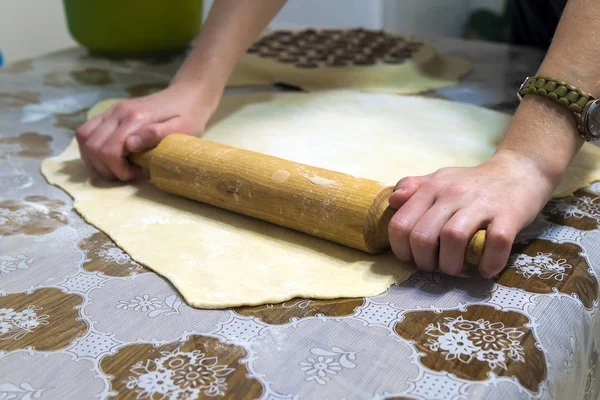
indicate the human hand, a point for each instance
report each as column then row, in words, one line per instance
column 439, row 213
column 135, row 125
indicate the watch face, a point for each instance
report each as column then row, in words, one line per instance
column 592, row 120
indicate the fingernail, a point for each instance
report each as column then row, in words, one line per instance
column 135, row 143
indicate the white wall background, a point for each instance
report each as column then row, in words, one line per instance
column 32, row 27
column 29, row 28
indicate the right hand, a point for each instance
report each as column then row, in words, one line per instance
column 135, row 125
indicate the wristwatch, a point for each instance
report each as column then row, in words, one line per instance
column 584, row 107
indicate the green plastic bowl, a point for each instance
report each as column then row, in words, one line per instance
column 133, row 27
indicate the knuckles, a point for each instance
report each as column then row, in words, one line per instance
column 82, row 134
column 123, row 109
column 450, row 269
column 130, row 112
column 107, row 153
column 92, row 148
column 500, row 239
column 398, row 228
column 457, row 190
column 422, row 239
column 454, row 235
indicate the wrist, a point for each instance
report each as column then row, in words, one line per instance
column 529, row 169
column 543, row 134
column 196, row 94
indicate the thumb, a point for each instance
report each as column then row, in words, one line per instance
column 150, row 136
column 405, row 188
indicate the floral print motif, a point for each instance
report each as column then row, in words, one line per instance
column 72, row 120
column 297, row 308
column 327, row 363
column 92, row 77
column 10, row 264
column 34, row 215
column 576, row 207
column 191, row 368
column 103, row 255
column 16, row 216
column 581, row 211
column 15, row 325
column 24, row 391
column 111, row 253
column 541, row 266
column 179, row 375
column 141, row 303
column 26, row 144
column 152, row 305
column 18, row 99
column 465, row 340
column 590, row 384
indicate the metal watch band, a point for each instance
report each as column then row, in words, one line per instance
column 560, row 92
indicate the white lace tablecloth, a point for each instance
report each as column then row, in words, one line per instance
column 80, row 320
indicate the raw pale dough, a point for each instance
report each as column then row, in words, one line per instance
column 218, row 259
column 424, row 70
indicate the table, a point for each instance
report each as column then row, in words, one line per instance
column 80, row 319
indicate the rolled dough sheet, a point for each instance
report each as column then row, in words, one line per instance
column 218, row 259
column 421, row 70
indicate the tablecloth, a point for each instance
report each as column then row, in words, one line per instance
column 80, row 319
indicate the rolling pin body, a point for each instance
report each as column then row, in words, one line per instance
column 334, row 206
column 331, row 205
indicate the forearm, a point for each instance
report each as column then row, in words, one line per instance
column 542, row 131
column 230, row 28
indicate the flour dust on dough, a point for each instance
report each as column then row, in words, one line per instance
column 218, row 259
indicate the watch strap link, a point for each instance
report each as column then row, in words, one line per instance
column 558, row 91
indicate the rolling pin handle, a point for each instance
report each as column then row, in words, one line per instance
column 141, row 159
column 474, row 252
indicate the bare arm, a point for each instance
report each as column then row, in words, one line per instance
column 542, row 131
column 231, row 27
column 186, row 105
column 438, row 213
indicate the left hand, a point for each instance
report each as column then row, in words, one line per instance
column 439, row 213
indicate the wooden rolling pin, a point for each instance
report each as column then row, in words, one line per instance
column 331, row 205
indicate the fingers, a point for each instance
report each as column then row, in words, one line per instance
column 102, row 140
column 113, row 152
column 150, row 136
column 93, row 147
column 455, row 236
column 500, row 236
column 405, row 188
column 425, row 237
column 404, row 220
column 83, row 133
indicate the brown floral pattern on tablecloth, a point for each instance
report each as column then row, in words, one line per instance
column 78, row 302
column 18, row 67
column 198, row 368
column 103, row 255
column 591, row 389
column 283, row 313
column 18, row 99
column 26, row 144
column 580, row 211
column 58, row 79
column 46, row 320
column 86, row 76
column 475, row 343
column 92, row 77
column 34, row 215
column 72, row 120
column 540, row 266
column 401, row 398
